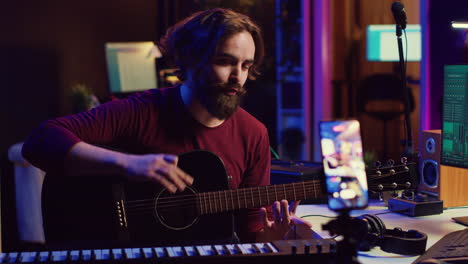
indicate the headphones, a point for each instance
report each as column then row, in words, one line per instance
column 395, row 240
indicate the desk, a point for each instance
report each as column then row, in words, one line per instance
column 435, row 226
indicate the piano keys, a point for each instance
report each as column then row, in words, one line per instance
column 300, row 251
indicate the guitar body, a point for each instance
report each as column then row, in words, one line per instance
column 106, row 211
column 84, row 212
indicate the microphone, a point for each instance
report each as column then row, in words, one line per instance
column 399, row 13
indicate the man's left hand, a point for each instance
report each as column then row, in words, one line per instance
column 285, row 224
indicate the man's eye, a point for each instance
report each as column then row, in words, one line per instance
column 222, row 61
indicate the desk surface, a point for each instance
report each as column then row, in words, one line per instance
column 435, row 226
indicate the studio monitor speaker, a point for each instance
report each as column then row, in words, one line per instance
column 430, row 162
column 442, row 181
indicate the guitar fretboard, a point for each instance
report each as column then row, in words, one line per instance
column 227, row 200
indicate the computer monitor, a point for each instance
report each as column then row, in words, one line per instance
column 455, row 116
column 131, row 66
column 382, row 43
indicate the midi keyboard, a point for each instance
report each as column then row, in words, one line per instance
column 299, row 251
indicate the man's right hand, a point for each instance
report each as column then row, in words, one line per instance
column 87, row 159
column 161, row 168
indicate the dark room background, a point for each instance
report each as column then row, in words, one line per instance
column 50, row 45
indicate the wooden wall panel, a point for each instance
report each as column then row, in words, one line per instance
column 350, row 66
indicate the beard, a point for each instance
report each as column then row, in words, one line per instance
column 214, row 98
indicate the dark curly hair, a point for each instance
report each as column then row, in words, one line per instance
column 193, row 41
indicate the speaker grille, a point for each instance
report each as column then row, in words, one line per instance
column 430, row 173
column 430, row 162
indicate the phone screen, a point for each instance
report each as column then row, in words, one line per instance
column 343, row 164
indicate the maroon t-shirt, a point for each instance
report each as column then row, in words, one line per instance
column 156, row 121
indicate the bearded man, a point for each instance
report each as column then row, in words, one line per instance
column 141, row 137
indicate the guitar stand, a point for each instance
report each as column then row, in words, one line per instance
column 351, row 229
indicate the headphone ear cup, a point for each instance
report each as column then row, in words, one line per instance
column 378, row 224
column 375, row 230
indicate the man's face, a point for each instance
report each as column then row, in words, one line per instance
column 224, row 77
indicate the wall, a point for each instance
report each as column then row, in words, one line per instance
column 350, row 67
column 446, row 47
column 47, row 46
column 52, row 45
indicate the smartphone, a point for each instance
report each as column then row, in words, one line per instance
column 343, row 164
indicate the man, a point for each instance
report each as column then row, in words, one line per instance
column 216, row 51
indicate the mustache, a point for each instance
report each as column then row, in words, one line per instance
column 230, row 86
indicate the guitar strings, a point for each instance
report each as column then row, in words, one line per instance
column 377, row 177
column 214, row 206
column 372, row 178
column 215, row 195
column 390, row 167
column 387, row 186
column 213, row 200
column 253, row 190
column 315, row 182
column 142, row 205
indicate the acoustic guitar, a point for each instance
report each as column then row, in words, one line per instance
column 85, row 212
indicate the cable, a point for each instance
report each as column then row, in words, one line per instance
column 406, row 50
column 405, row 90
column 387, row 212
column 326, row 216
column 456, row 207
column 274, row 153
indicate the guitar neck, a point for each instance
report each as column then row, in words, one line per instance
column 228, row 200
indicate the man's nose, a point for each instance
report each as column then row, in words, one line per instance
column 235, row 73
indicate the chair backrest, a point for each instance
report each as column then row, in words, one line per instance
column 382, row 95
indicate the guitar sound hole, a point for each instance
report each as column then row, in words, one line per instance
column 176, row 211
